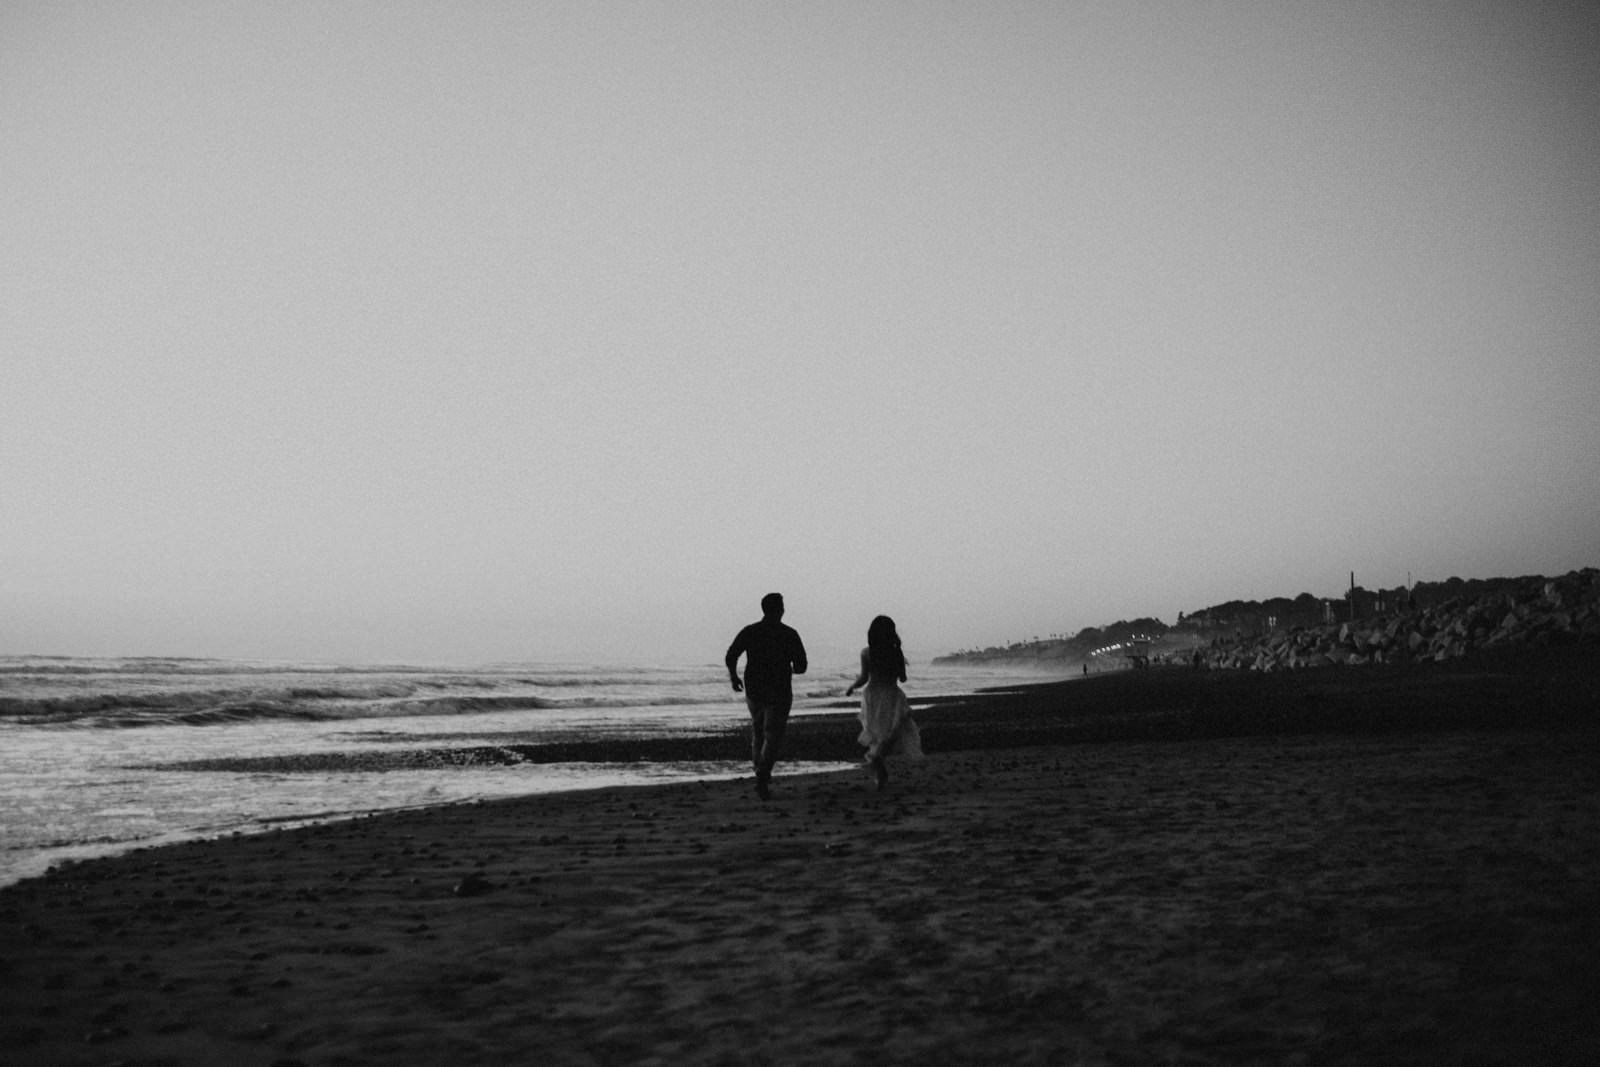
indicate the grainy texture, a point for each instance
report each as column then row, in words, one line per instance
column 1423, row 887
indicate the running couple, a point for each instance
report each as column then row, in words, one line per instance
column 774, row 654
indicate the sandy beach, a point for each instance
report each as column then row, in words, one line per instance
column 1342, row 866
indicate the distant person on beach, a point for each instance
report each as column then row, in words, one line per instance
column 773, row 654
column 887, row 728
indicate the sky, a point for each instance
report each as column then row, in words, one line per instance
column 475, row 332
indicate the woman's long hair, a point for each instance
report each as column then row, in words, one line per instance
column 883, row 650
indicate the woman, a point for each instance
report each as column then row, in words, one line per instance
column 887, row 728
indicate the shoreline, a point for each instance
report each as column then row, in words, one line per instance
column 1509, row 688
column 96, row 798
column 1238, row 882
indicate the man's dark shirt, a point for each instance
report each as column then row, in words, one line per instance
column 774, row 650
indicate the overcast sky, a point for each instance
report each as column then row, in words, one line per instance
column 537, row 331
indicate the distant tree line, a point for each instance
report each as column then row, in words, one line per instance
column 1076, row 647
column 1245, row 618
column 1282, row 613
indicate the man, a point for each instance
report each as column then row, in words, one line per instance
column 773, row 653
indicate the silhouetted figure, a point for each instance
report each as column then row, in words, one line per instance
column 887, row 728
column 773, row 654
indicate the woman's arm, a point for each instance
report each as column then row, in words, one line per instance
column 861, row 679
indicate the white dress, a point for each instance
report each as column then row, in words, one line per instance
column 887, row 728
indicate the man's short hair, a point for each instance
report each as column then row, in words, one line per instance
column 771, row 603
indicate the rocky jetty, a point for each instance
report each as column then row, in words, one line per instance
column 1533, row 611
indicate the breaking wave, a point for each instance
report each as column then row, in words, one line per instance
column 41, row 691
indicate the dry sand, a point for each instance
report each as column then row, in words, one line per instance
column 1425, row 892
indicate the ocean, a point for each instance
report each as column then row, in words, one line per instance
column 86, row 745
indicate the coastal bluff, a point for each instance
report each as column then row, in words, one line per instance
column 1393, row 627
column 1528, row 612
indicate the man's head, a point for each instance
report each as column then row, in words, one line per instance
column 772, row 606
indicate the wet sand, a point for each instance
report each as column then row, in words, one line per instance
column 1345, row 867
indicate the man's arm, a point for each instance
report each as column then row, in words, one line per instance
column 735, row 650
column 798, row 657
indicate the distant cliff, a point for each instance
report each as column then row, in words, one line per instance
column 1061, row 653
column 1431, row 620
column 1499, row 613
